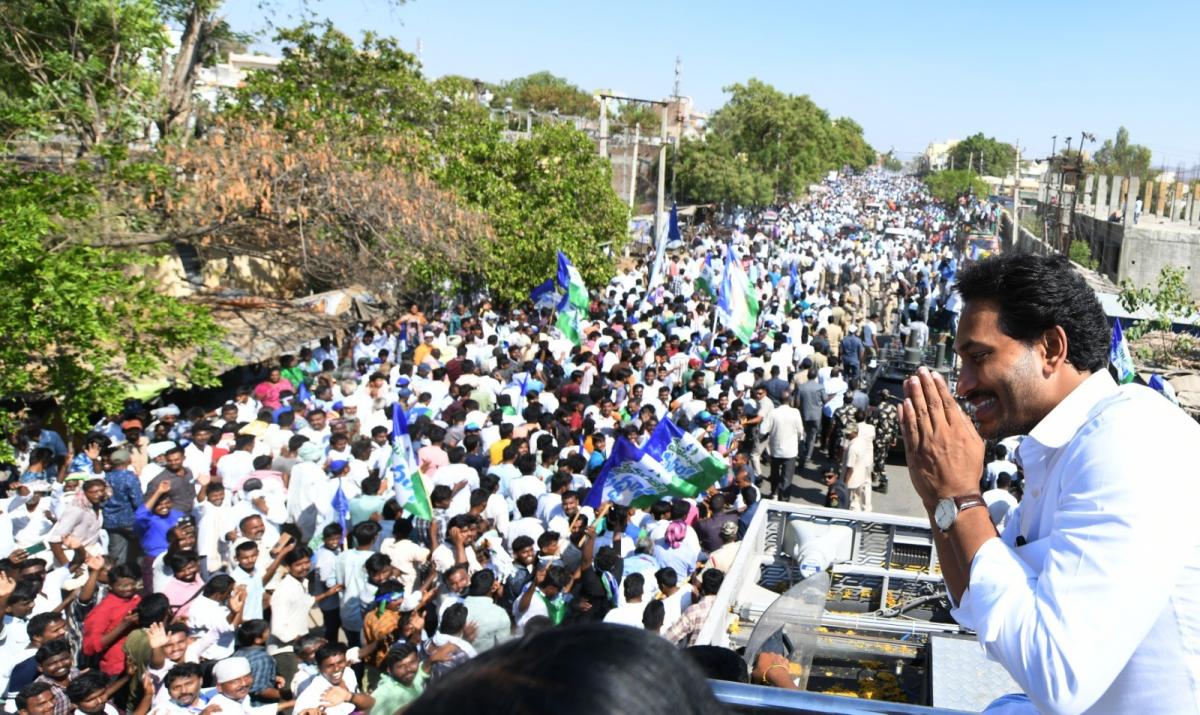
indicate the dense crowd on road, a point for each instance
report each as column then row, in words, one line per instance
column 253, row 556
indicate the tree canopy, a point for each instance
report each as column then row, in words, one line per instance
column 77, row 67
column 76, row 316
column 767, row 145
column 544, row 92
column 1118, row 156
column 984, row 155
column 946, row 186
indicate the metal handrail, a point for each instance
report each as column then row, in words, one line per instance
column 745, row 698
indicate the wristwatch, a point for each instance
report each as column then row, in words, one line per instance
column 946, row 512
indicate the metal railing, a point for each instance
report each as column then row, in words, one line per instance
column 744, row 698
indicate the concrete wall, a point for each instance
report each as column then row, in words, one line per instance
column 1026, row 241
column 1145, row 250
column 1106, row 239
column 221, row 271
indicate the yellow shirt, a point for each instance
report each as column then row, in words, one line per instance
column 496, row 451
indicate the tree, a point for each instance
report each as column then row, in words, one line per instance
column 708, row 171
column 549, row 193
column 630, row 114
column 891, row 162
column 203, row 37
column 79, row 325
column 946, row 186
column 372, row 88
column 544, row 92
column 76, row 67
column 1121, row 158
column 343, row 208
column 786, row 138
column 984, row 155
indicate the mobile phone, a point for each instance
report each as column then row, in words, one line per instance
column 37, row 548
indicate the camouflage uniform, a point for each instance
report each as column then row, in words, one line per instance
column 842, row 417
column 886, row 420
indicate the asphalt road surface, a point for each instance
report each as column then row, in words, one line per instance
column 901, row 498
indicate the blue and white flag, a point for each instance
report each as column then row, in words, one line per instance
column 304, row 395
column 546, row 295
column 685, row 458
column 406, row 481
column 341, row 506
column 1118, row 355
column 707, row 281
column 630, row 477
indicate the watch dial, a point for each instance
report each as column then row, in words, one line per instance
column 945, row 513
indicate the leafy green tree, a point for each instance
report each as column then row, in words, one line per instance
column 851, row 148
column 630, row 114
column 372, row 87
column 552, row 192
column 709, row 171
column 892, row 163
column 984, row 155
column 1122, row 158
column 79, row 325
column 786, row 138
column 946, row 186
column 77, row 67
column 544, row 92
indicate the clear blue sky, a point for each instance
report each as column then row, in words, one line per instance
column 909, row 72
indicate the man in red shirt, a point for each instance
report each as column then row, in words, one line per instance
column 107, row 624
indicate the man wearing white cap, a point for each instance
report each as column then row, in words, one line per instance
column 233, row 690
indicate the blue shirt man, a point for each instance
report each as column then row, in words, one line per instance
column 126, row 497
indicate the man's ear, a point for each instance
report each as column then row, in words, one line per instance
column 1054, row 347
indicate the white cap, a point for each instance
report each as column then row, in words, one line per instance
column 231, row 669
column 158, row 449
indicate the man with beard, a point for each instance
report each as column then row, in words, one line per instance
column 183, row 693
column 405, row 676
column 179, row 477
column 1053, row 600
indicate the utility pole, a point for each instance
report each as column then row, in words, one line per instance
column 1016, row 212
column 604, row 127
column 633, row 166
column 660, row 207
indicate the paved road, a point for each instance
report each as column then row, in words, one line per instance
column 901, row 498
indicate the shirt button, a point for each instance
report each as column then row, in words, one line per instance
column 1037, row 492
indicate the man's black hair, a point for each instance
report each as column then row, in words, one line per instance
column 1037, row 293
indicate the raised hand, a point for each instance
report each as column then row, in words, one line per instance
column 156, row 635
column 7, row 584
column 943, row 450
column 95, row 562
column 335, row 696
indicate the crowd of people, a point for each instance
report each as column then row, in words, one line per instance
column 252, row 556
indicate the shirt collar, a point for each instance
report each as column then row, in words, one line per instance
column 1058, row 427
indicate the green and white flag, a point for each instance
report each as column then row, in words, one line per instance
column 631, row 477
column 685, row 458
column 402, row 463
column 574, row 303
column 736, row 302
column 707, row 281
column 571, row 283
